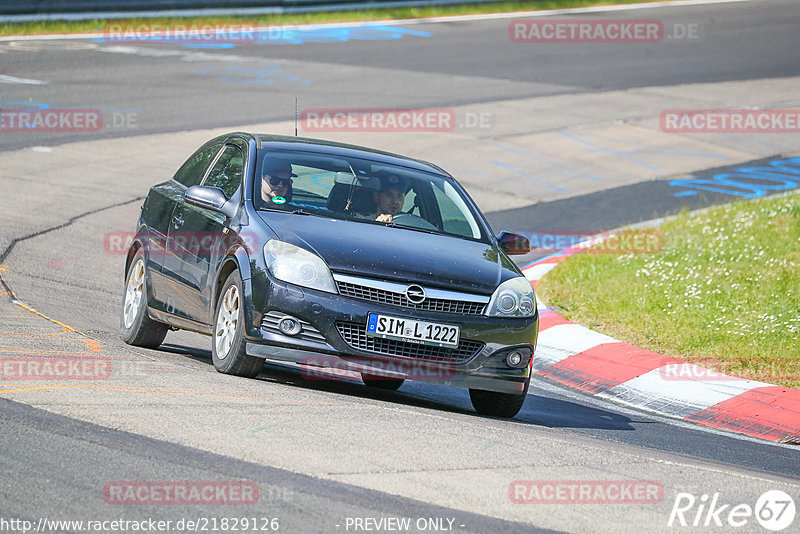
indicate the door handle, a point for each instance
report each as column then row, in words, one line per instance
column 177, row 221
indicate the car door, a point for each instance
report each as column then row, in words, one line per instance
column 157, row 213
column 197, row 237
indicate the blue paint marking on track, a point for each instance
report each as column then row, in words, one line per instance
column 523, row 170
column 369, row 32
column 213, row 46
column 567, row 170
column 625, row 154
column 315, row 178
column 636, row 149
column 746, row 182
column 22, row 104
column 271, row 36
column 494, row 177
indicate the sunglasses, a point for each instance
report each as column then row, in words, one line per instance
column 279, row 181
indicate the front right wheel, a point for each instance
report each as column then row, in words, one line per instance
column 498, row 404
column 381, row 382
column 227, row 341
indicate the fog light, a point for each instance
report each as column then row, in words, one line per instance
column 289, row 326
column 514, row 358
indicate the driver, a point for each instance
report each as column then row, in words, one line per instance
column 390, row 198
column 276, row 185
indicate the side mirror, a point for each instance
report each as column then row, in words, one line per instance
column 211, row 198
column 513, row 244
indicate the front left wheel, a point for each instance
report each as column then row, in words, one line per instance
column 136, row 327
column 498, row 404
column 227, row 341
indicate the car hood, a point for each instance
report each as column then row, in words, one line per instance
column 387, row 253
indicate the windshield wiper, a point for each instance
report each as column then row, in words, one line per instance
column 403, row 226
column 295, row 211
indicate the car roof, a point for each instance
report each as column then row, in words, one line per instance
column 321, row 146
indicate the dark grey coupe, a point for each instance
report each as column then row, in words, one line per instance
column 332, row 256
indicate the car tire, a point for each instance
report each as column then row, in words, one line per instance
column 381, row 382
column 227, row 339
column 136, row 326
column 498, row 404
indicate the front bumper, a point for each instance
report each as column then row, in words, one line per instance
column 327, row 319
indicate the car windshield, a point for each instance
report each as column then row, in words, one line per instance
column 365, row 191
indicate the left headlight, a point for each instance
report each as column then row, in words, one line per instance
column 298, row 266
column 513, row 298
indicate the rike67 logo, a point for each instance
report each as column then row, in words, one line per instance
column 774, row 510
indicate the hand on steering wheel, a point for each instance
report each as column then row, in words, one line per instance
column 412, row 221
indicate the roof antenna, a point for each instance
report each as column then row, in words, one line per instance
column 295, row 116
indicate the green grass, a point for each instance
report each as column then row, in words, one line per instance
column 92, row 26
column 723, row 293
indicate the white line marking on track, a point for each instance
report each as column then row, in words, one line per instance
column 4, row 78
column 538, row 271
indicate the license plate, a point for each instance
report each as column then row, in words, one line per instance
column 413, row 331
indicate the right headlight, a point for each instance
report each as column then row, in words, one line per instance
column 513, row 298
column 298, row 266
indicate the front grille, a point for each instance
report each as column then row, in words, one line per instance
column 355, row 335
column 399, row 299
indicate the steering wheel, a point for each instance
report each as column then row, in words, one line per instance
column 412, row 221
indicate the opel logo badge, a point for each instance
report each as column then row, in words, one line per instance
column 415, row 294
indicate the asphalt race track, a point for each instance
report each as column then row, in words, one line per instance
column 548, row 138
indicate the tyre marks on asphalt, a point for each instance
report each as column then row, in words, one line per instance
column 32, row 350
column 39, row 353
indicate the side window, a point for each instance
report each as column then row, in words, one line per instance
column 192, row 171
column 411, row 202
column 228, row 171
column 453, row 219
